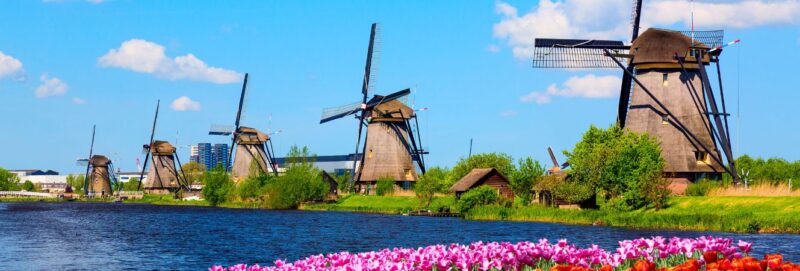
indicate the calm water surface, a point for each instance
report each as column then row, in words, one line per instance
column 108, row 236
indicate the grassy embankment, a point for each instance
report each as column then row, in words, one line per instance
column 378, row 204
column 729, row 214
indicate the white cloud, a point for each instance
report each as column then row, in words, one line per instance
column 51, row 86
column 589, row 86
column 185, row 104
column 77, row 100
column 148, row 57
column 569, row 18
column 508, row 113
column 737, row 14
column 610, row 19
column 9, row 66
column 493, row 48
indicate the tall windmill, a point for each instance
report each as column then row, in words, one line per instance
column 163, row 176
column 389, row 148
column 252, row 146
column 99, row 173
column 665, row 92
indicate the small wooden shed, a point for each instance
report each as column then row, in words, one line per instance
column 484, row 176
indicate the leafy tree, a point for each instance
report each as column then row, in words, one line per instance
column 28, row 186
column 76, row 182
column 504, row 163
column 301, row 182
column 624, row 166
column 253, row 187
column 528, row 172
column 194, row 172
column 429, row 184
column 131, row 185
column 343, row 182
column 8, row 180
column 384, row 186
column 481, row 195
column 218, row 186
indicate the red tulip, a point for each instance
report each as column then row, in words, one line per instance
column 710, row 256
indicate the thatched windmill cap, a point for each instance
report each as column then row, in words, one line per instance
column 100, row 161
column 394, row 106
column 659, row 46
column 162, row 147
column 248, row 135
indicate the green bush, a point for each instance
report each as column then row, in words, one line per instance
column 573, row 192
column 218, row 186
column 302, row 182
column 8, row 180
column 620, row 164
column 28, row 186
column 522, row 180
column 429, row 184
column 253, row 187
column 479, row 196
column 772, row 170
column 76, row 182
column 384, row 186
column 700, row 188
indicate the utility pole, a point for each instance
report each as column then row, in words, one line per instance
column 470, row 148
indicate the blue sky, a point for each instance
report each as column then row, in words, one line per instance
column 66, row 65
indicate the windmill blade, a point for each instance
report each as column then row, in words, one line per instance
column 552, row 156
column 238, row 118
column 82, row 162
column 377, row 100
column 148, row 146
column 219, row 129
column 576, row 54
column 332, row 113
column 86, row 177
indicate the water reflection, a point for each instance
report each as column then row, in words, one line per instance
column 60, row 236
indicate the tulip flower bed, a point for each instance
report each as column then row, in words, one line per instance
column 653, row 254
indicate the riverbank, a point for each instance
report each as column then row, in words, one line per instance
column 726, row 214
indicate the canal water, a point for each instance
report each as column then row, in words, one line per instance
column 110, row 236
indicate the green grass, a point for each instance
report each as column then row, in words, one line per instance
column 729, row 214
column 26, row 199
column 378, row 204
column 166, row 199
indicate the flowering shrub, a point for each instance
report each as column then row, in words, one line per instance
column 653, row 254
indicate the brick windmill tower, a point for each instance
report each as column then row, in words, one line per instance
column 164, row 176
column 665, row 92
column 99, row 173
column 390, row 146
column 253, row 147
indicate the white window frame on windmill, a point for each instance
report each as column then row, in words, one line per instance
column 665, row 80
column 664, row 119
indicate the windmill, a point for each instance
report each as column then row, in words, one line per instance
column 389, row 148
column 99, row 173
column 252, row 146
column 163, row 176
column 665, row 92
column 557, row 168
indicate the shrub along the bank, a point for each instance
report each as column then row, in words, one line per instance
column 302, row 182
column 524, row 177
column 429, row 184
column 623, row 167
column 384, row 186
column 218, row 186
column 8, row 180
column 480, row 196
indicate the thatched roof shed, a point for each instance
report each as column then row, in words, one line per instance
column 483, row 176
